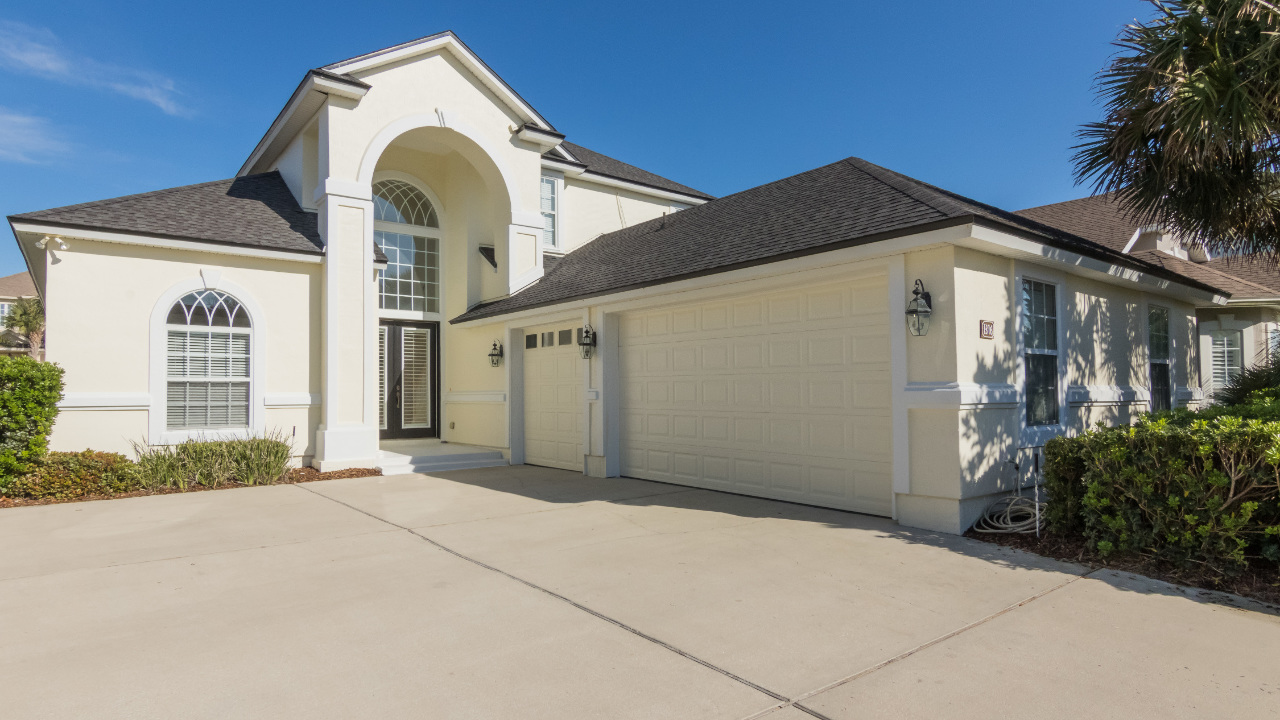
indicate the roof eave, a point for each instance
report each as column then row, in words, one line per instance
column 104, row 234
column 1101, row 263
column 320, row 81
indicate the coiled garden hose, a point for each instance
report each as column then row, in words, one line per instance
column 1015, row 514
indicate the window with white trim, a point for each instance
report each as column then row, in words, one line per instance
column 208, row 357
column 1040, row 351
column 407, row 229
column 4, row 309
column 1226, row 356
column 549, row 191
column 1159, row 350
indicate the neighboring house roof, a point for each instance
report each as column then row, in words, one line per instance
column 1205, row 273
column 847, row 203
column 1101, row 219
column 17, row 286
column 1257, row 270
column 1098, row 218
column 605, row 165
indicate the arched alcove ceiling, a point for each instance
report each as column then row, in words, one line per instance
column 424, row 134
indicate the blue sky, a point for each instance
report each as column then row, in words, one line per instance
column 100, row 99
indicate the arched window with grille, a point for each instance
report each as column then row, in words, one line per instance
column 407, row 228
column 209, row 357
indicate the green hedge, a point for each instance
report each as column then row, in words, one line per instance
column 68, row 476
column 29, row 395
column 1195, row 489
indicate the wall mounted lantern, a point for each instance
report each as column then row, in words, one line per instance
column 495, row 355
column 586, row 341
column 919, row 308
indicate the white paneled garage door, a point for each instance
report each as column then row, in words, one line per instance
column 782, row 394
column 553, row 398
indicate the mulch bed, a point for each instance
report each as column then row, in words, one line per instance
column 1260, row 585
column 296, row 475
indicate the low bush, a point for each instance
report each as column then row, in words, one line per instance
column 212, row 463
column 29, row 395
column 1193, row 489
column 68, row 476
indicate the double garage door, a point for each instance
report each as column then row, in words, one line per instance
column 782, row 395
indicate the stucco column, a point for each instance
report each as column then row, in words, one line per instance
column 348, row 432
column 524, row 250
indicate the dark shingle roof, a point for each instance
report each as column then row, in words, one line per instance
column 254, row 210
column 847, row 203
column 605, row 165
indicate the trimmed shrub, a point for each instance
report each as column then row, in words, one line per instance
column 68, row 476
column 29, row 395
column 1191, row 489
column 253, row 461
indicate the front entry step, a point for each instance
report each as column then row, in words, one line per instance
column 436, row 457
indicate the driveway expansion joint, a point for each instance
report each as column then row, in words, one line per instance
column 579, row 606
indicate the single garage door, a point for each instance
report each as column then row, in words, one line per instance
column 783, row 395
column 553, row 398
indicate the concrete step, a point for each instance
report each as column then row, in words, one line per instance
column 391, row 463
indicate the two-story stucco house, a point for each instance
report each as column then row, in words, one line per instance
column 413, row 251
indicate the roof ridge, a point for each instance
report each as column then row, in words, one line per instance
column 910, row 187
column 135, row 196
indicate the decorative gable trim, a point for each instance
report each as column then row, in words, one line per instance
column 445, row 41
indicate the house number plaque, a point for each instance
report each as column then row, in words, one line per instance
column 986, row 329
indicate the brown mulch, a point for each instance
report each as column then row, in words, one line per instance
column 1257, row 584
column 296, row 475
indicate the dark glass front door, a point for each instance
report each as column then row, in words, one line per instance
column 409, row 379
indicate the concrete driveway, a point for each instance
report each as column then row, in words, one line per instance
column 533, row 593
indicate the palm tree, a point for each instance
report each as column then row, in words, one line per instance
column 1191, row 135
column 26, row 322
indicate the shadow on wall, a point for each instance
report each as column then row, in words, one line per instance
column 1094, row 353
column 692, row 510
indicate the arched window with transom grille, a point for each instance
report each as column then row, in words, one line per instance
column 208, row 362
column 407, row 228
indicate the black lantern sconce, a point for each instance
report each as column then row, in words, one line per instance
column 495, row 355
column 586, row 341
column 919, row 308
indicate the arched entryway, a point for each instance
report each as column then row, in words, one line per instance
column 407, row 228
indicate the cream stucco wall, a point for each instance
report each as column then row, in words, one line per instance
column 100, row 298
column 1105, row 377
column 590, row 210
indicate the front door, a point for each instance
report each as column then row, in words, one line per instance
column 409, row 379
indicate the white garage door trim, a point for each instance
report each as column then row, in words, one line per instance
column 784, row 394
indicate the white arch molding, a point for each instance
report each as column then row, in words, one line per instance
column 157, row 366
column 447, row 121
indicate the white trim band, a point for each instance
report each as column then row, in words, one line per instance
column 290, row 399
column 942, row 395
column 105, row 401
column 476, row 396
